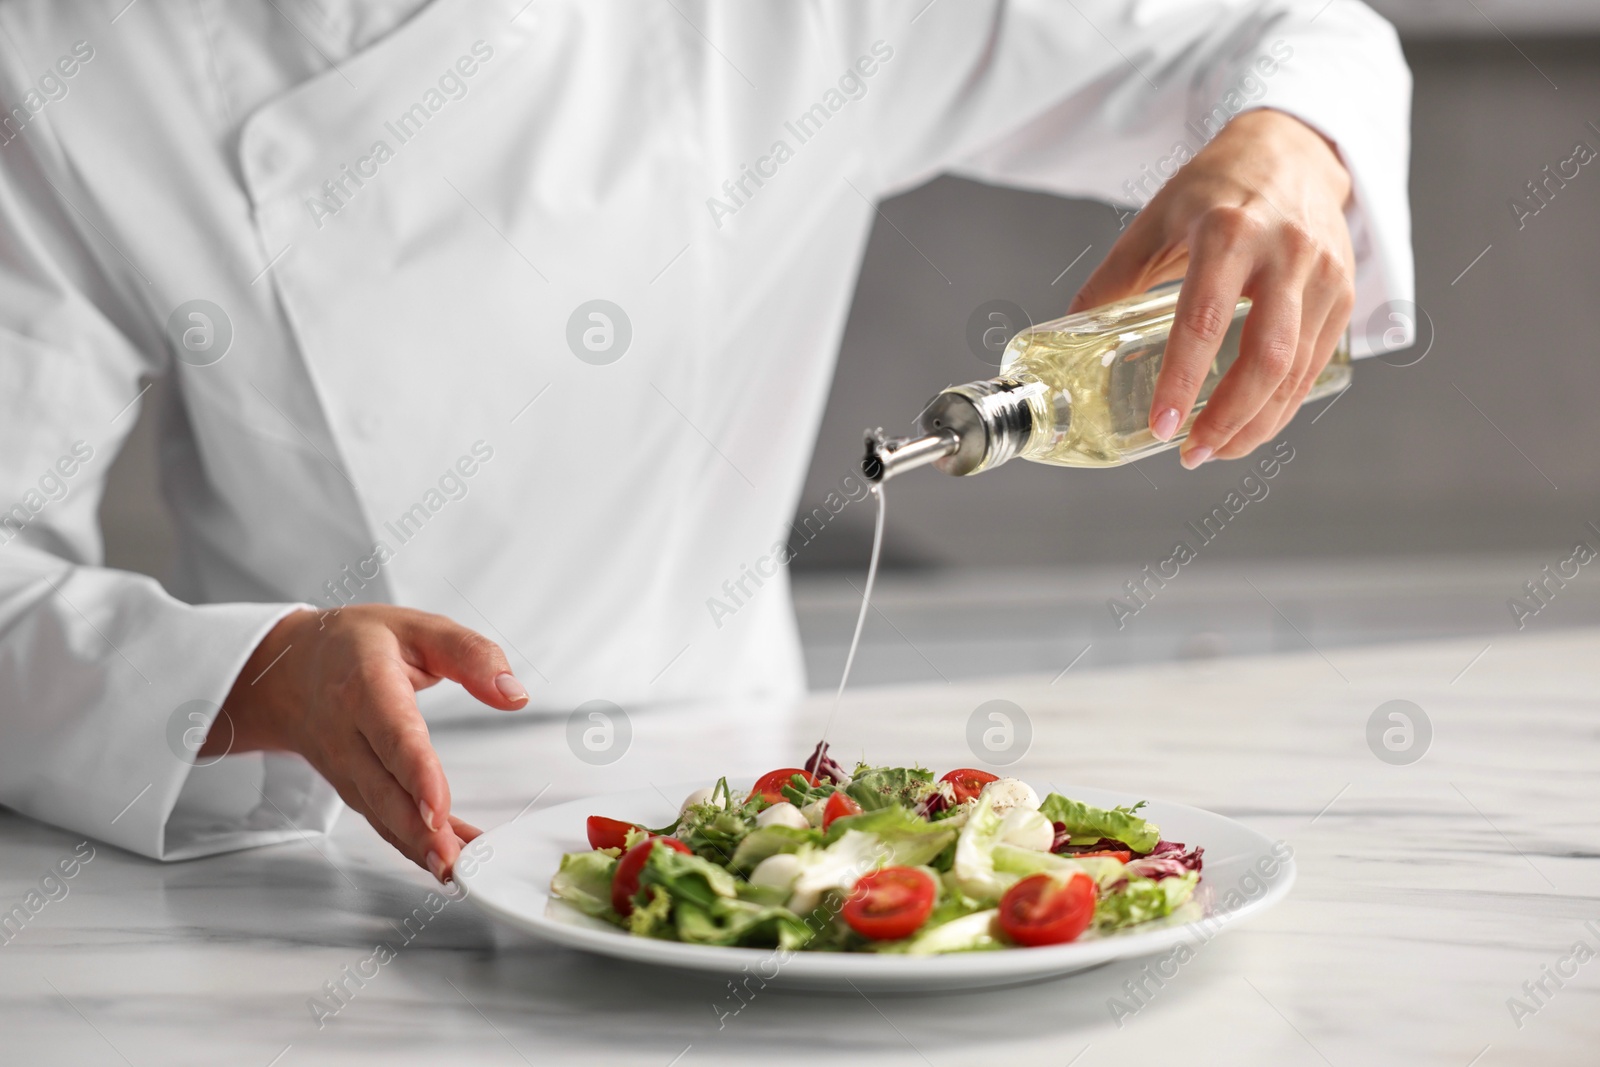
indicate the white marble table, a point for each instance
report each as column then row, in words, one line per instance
column 1428, row 893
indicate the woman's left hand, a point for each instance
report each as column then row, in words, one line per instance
column 1259, row 212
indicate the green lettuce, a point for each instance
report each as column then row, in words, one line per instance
column 910, row 840
column 799, row 792
column 972, row 932
column 972, row 871
column 739, row 922
column 1088, row 824
column 686, row 876
column 713, row 830
column 584, row 881
column 1143, row 899
column 1009, row 859
column 879, row 787
column 765, row 841
column 653, row 918
column 835, row 868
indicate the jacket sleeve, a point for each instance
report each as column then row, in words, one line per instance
column 107, row 683
column 1107, row 98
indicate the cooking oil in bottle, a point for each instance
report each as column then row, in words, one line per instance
column 1075, row 392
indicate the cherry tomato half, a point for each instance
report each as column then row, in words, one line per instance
column 625, row 882
column 609, row 833
column 838, row 806
column 968, row 782
column 890, row 903
column 770, row 785
column 1042, row 910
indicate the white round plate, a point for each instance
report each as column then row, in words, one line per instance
column 1245, row 873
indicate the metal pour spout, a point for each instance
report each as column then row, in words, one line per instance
column 889, row 456
column 964, row 430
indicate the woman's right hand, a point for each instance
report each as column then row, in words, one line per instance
column 339, row 688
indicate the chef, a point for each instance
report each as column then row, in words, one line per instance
column 492, row 337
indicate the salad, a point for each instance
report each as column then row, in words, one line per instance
column 880, row 859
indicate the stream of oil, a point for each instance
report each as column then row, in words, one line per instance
column 866, row 602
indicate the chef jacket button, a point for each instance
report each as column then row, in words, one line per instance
column 368, row 424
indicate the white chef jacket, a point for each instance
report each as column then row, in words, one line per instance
column 403, row 212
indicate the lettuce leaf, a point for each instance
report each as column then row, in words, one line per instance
column 879, row 787
column 766, row 841
column 739, row 922
column 1011, row 860
column 584, row 881
column 972, row 870
column 910, row 841
column 799, row 793
column 714, row 833
column 971, row 932
column 835, row 868
column 1087, row 824
column 687, row 877
column 1142, row 899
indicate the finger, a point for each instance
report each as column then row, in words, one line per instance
column 1126, row 268
column 1221, row 262
column 388, row 803
column 351, row 794
column 445, row 648
column 464, row 830
column 390, row 724
column 1267, row 348
column 1333, row 329
column 1317, row 303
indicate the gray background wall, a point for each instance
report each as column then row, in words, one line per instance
column 1402, row 465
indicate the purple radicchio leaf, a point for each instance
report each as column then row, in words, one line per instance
column 824, row 767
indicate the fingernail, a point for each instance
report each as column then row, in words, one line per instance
column 436, row 865
column 428, row 819
column 1195, row 456
column 509, row 687
column 1165, row 424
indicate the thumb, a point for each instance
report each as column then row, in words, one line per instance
column 1127, row 269
column 446, row 649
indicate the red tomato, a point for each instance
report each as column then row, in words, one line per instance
column 1041, row 910
column 891, row 903
column 625, row 882
column 968, row 782
column 838, row 806
column 1116, row 854
column 770, row 785
column 608, row 833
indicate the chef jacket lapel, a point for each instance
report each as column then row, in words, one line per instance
column 444, row 201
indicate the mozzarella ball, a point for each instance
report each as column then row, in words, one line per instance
column 776, row 872
column 1007, row 793
column 699, row 796
column 783, row 813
